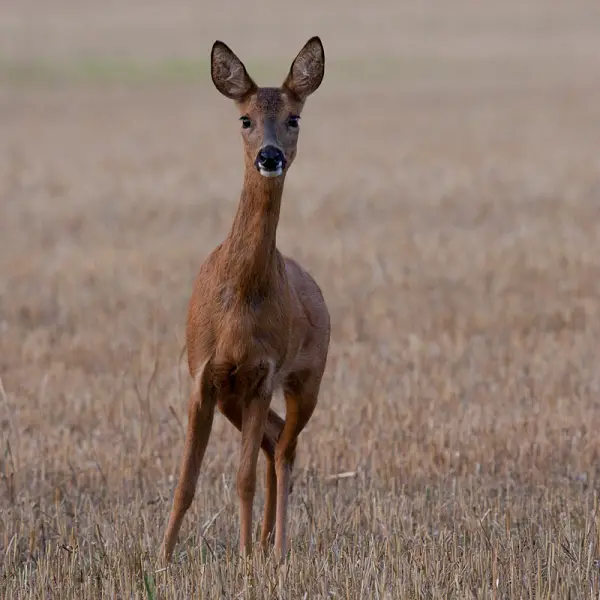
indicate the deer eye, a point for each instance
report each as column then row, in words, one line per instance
column 246, row 122
column 293, row 121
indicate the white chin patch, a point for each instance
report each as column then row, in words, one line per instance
column 275, row 173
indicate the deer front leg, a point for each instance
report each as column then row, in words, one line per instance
column 233, row 411
column 201, row 409
column 254, row 418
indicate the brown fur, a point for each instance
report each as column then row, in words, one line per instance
column 257, row 321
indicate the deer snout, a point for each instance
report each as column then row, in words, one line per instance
column 270, row 161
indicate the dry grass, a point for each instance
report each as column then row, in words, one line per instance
column 447, row 198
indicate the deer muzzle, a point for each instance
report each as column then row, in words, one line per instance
column 270, row 161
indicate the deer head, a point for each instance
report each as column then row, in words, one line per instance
column 269, row 116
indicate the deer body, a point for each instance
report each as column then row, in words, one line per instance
column 257, row 321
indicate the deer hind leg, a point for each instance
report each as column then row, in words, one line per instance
column 233, row 411
column 300, row 399
column 201, row 409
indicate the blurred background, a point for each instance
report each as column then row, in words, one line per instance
column 446, row 197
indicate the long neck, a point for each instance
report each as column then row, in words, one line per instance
column 251, row 243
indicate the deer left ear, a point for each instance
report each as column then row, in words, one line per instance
column 307, row 70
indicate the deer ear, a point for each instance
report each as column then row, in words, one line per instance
column 229, row 73
column 307, row 70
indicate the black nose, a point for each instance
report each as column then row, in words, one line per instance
column 270, row 158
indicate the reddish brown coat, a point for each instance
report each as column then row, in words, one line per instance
column 257, row 320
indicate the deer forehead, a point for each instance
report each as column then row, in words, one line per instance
column 271, row 103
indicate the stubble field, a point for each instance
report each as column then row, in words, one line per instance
column 446, row 196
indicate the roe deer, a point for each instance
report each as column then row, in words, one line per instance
column 257, row 321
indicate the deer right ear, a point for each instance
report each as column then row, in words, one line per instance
column 229, row 73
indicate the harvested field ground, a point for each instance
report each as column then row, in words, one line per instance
column 446, row 196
